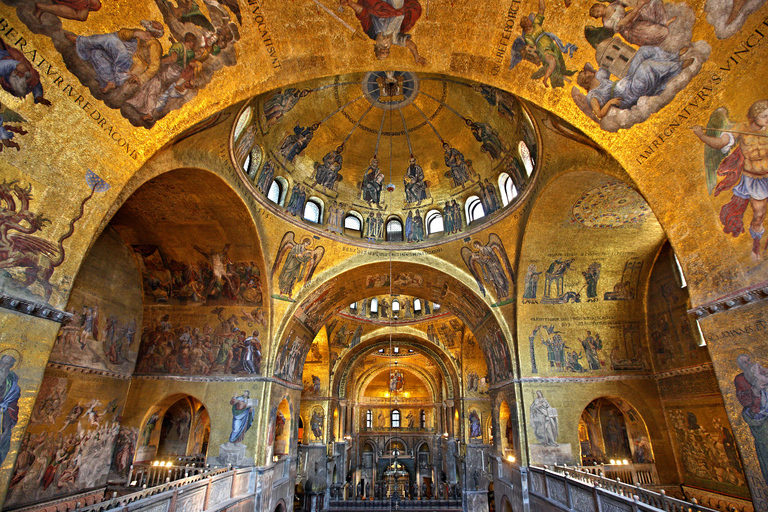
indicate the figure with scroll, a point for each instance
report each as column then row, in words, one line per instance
column 415, row 186
column 300, row 262
column 371, row 185
column 489, row 263
column 454, row 160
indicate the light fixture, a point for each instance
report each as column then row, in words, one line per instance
column 613, row 462
column 511, row 458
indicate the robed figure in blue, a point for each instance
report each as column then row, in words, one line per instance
column 242, row 416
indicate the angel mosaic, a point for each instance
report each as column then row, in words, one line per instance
column 134, row 69
column 489, row 263
column 645, row 56
column 299, row 263
column 387, row 22
column 543, row 49
column 738, row 152
column 728, row 16
column 9, row 127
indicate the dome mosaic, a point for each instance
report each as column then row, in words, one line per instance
column 387, row 156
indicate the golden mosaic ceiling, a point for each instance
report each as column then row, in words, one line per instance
column 389, row 143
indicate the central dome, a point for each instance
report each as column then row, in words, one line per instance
column 386, row 155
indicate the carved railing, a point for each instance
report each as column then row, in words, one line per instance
column 415, row 505
column 636, row 474
column 65, row 503
column 149, row 475
column 571, row 488
column 199, row 492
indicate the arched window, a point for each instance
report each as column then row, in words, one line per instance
column 422, row 419
column 374, row 305
column 368, row 419
column 435, row 307
column 352, row 222
column 508, row 189
column 679, row 272
column 394, row 230
column 417, row 305
column 394, row 418
column 474, row 209
column 353, row 307
column 275, row 192
column 395, row 306
column 434, row 222
column 525, row 154
column 313, row 211
column 252, row 162
column 243, row 121
column 247, row 164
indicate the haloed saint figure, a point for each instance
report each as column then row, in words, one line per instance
column 9, row 403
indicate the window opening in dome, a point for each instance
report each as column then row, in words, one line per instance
column 417, row 305
column 352, row 222
column 395, row 306
column 435, row 307
column 375, row 305
column 525, row 154
column 275, row 191
column 679, row 272
column 312, row 211
column 434, row 222
column 508, row 188
column 474, row 209
column 394, row 230
column 242, row 122
column 247, row 163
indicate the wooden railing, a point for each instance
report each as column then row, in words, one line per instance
column 560, row 486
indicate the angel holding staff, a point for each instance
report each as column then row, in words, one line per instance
column 739, row 153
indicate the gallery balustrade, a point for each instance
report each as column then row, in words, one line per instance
column 151, row 474
column 631, row 473
column 570, row 488
column 204, row 489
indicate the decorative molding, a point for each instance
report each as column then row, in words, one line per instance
column 90, row 371
column 606, row 378
column 685, row 371
column 33, row 308
column 743, row 297
column 217, row 378
column 396, row 321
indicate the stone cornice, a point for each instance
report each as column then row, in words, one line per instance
column 34, row 308
column 607, row 378
column 743, row 297
column 89, row 371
